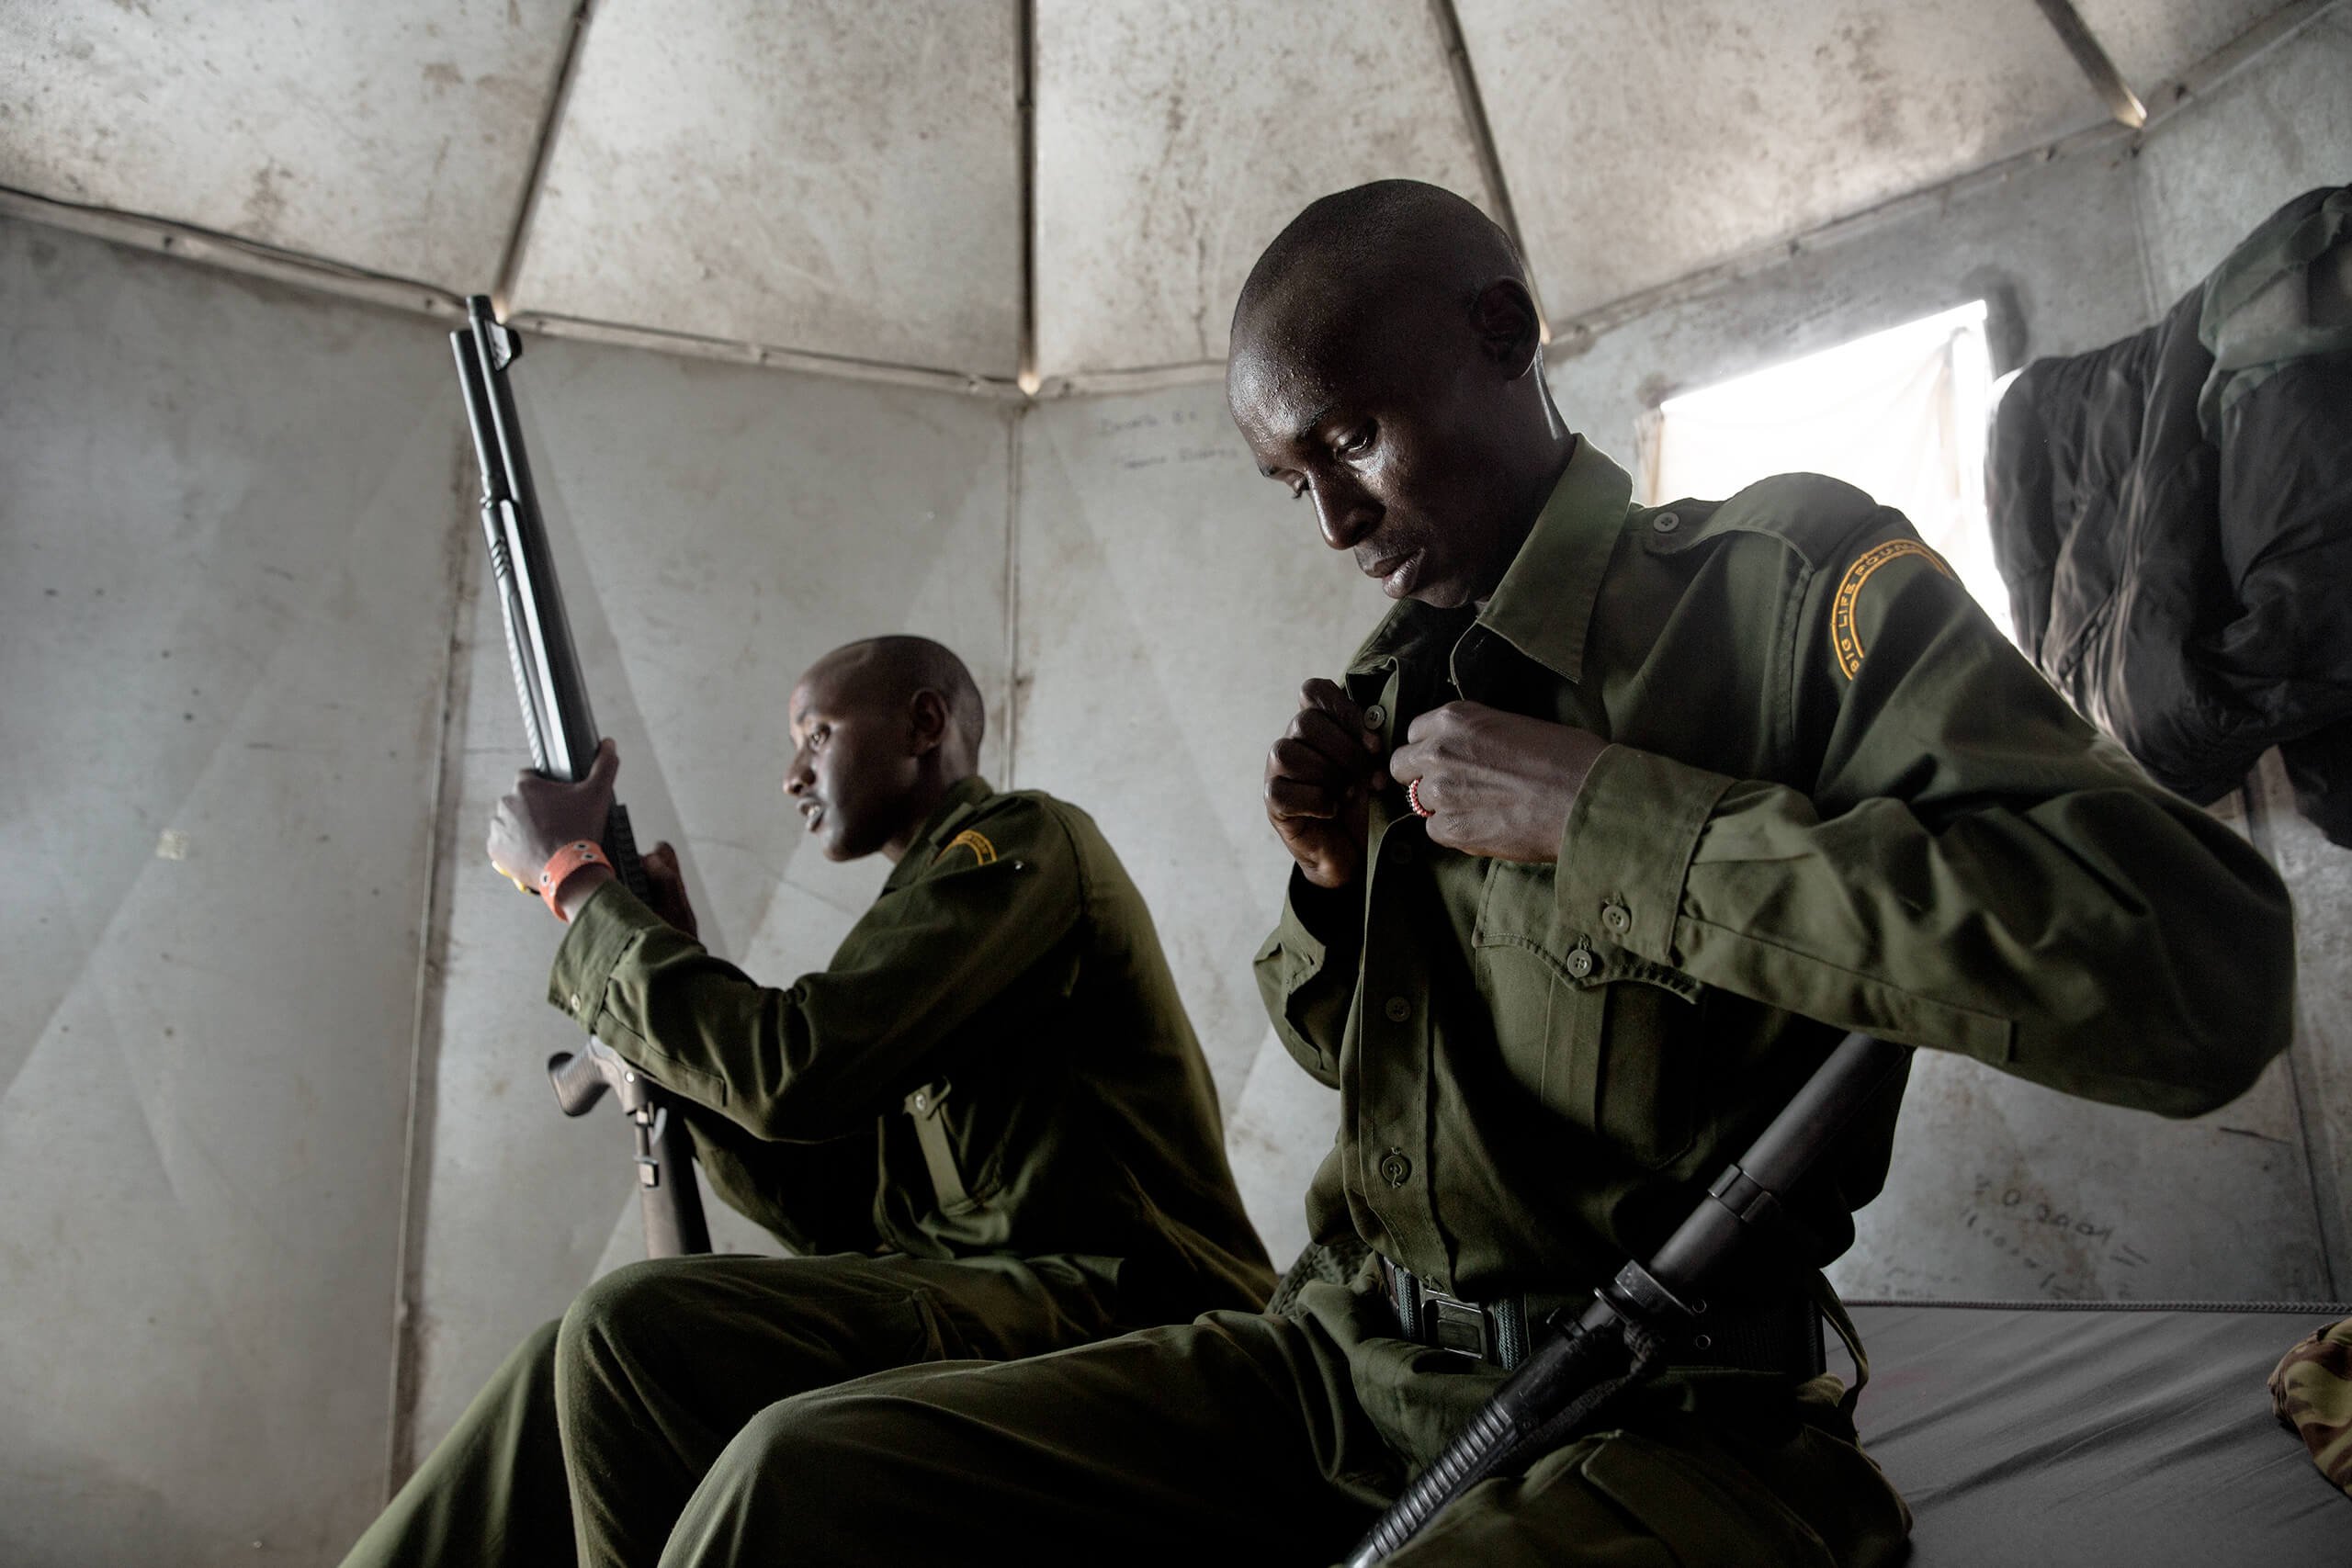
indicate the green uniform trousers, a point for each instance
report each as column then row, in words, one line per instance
column 1241, row 1439
column 597, row 1429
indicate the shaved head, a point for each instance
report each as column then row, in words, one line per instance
column 1355, row 251
column 1387, row 366
column 890, row 669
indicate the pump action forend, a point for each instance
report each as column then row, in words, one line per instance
column 561, row 731
column 1569, row 1380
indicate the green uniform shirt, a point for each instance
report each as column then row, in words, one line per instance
column 1011, row 971
column 1842, row 802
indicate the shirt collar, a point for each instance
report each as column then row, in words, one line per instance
column 1544, row 605
column 953, row 807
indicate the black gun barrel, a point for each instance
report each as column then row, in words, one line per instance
column 561, row 729
column 546, row 666
column 1571, row 1373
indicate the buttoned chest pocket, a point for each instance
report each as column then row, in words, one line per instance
column 1600, row 1037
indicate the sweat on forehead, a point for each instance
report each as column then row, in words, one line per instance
column 1352, row 254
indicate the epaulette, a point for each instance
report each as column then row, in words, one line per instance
column 1812, row 514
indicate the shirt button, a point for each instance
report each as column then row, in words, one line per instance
column 1395, row 1168
column 1398, row 1009
column 1375, row 716
column 1580, row 963
column 575, row 1001
column 1667, row 522
column 1617, row 918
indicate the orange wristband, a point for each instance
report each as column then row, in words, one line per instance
column 559, row 870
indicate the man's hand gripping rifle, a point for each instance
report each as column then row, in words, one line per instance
column 563, row 733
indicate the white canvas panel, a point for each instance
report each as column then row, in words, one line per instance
column 1646, row 143
column 226, row 519
column 2063, row 238
column 1174, row 142
column 717, row 528
column 394, row 137
column 2281, row 128
column 1276, row 1134
column 1171, row 602
column 2152, row 41
column 2003, row 1189
column 827, row 176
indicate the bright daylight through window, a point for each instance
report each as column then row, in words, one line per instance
column 1900, row 414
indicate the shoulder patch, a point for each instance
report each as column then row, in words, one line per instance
column 970, row 839
column 1844, row 636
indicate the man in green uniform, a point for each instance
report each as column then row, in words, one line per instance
column 989, row 1112
column 1612, row 829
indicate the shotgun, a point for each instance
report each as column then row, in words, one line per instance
column 1568, row 1380
column 562, row 733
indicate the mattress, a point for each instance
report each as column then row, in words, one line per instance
column 2055, row 1434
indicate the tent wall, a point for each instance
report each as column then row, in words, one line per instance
column 228, row 549
column 253, row 915
column 2089, row 246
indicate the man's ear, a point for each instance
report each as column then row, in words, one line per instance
column 927, row 721
column 1508, row 329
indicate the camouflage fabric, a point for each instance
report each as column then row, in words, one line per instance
column 2311, row 1389
column 1334, row 1262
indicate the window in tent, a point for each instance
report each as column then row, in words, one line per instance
column 1900, row 413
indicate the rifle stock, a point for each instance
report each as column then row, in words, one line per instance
column 561, row 728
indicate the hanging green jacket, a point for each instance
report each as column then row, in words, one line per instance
column 1005, row 1000
column 1841, row 801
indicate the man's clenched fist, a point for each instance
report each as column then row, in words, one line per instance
column 542, row 815
column 1319, row 779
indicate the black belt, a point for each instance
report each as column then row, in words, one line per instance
column 1772, row 1334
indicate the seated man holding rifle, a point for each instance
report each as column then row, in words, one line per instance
column 1613, row 826
column 987, row 1124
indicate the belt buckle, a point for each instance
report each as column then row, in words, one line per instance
column 1457, row 1326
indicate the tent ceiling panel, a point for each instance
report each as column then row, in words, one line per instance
column 817, row 174
column 1174, row 142
column 391, row 137
column 2152, row 41
column 837, row 178
column 1646, row 143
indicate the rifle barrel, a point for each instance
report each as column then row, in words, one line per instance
column 563, row 733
